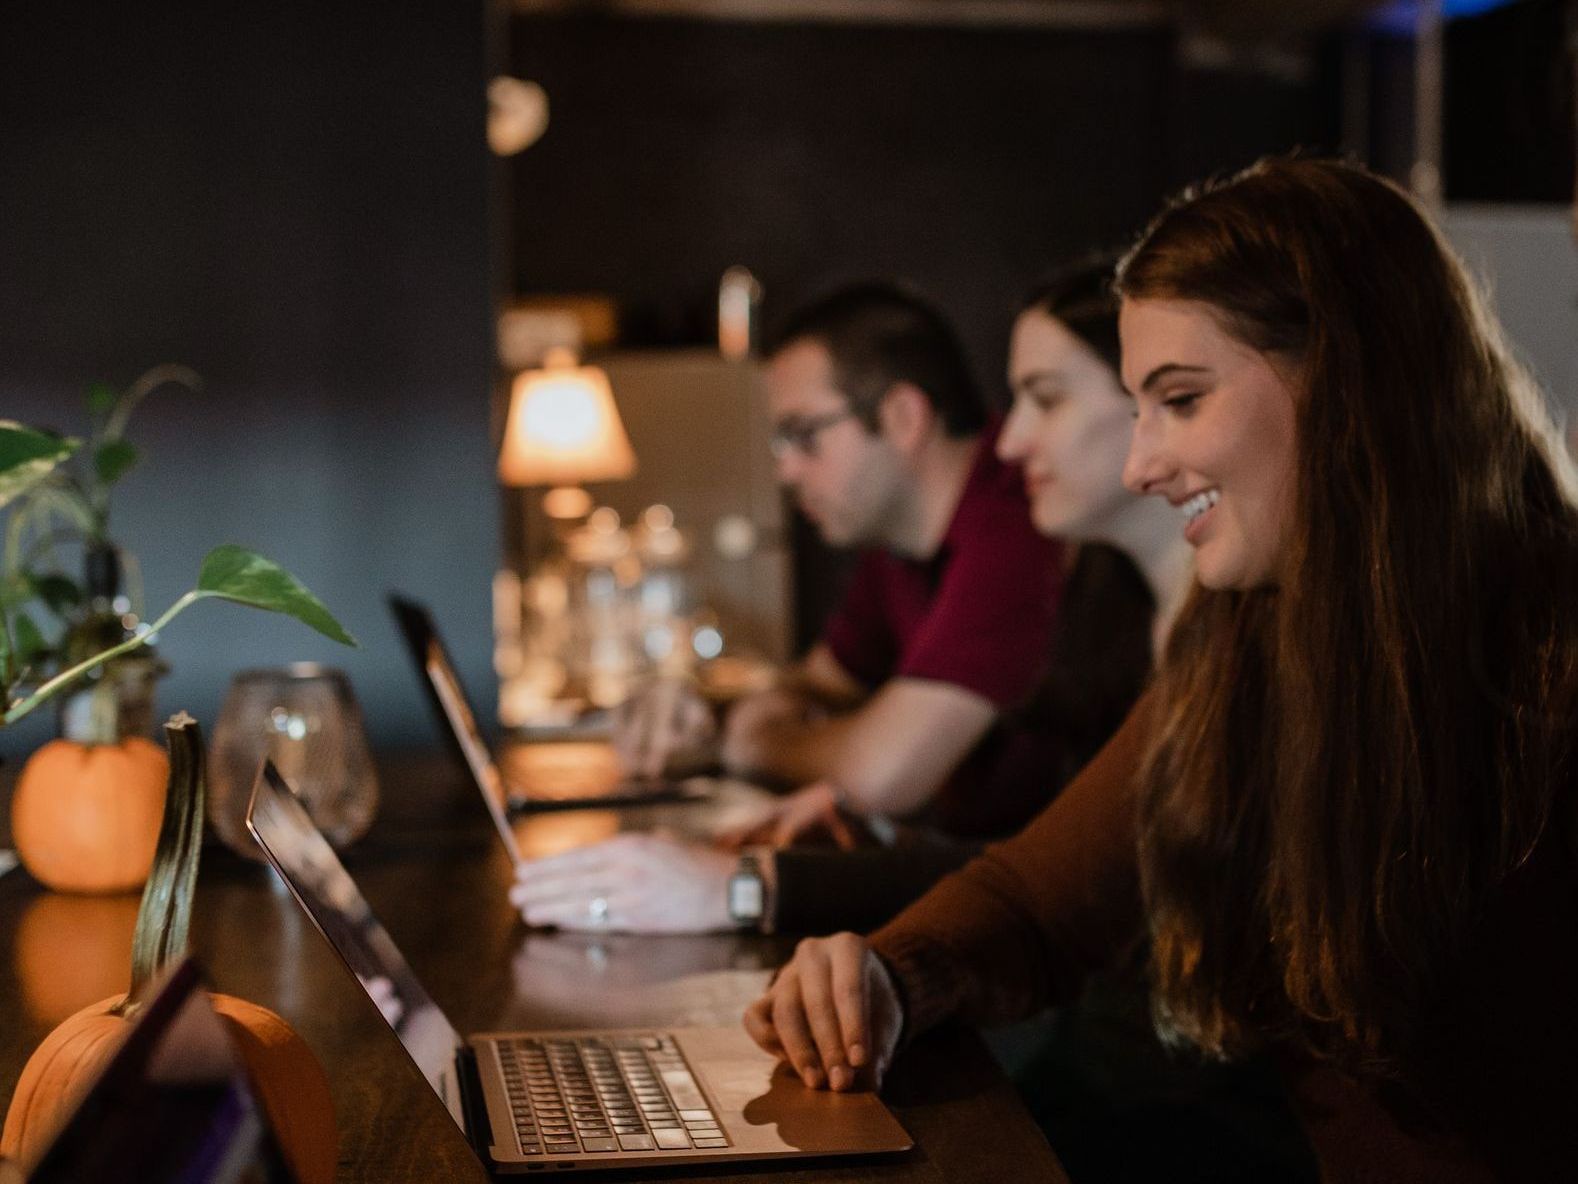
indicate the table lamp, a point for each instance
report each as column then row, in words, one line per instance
column 563, row 430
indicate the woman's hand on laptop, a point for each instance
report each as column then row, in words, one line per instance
column 832, row 1013
column 631, row 883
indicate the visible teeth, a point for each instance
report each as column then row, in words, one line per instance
column 1200, row 503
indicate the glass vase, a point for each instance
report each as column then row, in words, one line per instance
column 305, row 719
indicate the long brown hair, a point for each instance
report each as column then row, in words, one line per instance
column 1351, row 764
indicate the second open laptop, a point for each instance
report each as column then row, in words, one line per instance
column 534, row 1100
column 459, row 721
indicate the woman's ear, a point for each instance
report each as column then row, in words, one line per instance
column 906, row 418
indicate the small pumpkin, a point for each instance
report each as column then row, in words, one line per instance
column 289, row 1081
column 71, row 950
column 85, row 817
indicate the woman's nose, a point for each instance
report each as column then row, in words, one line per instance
column 1012, row 441
column 1145, row 467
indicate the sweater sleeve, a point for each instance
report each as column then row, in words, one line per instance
column 822, row 891
column 1020, row 927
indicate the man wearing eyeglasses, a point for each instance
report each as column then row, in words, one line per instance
column 881, row 433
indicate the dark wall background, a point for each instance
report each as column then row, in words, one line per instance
column 292, row 199
column 966, row 161
column 1509, row 110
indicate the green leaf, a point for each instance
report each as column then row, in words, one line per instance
column 58, row 592
column 113, row 459
column 15, row 591
column 30, row 642
column 101, row 399
column 246, row 577
column 27, row 456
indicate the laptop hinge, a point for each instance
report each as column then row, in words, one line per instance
column 478, row 1127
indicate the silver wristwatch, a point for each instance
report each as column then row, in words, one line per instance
column 750, row 904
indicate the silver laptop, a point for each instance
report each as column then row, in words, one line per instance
column 535, row 1100
column 453, row 707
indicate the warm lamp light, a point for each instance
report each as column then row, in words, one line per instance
column 563, row 429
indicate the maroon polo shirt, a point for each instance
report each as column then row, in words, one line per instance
column 978, row 614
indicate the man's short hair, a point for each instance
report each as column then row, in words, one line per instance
column 878, row 334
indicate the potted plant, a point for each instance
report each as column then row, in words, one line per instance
column 86, row 810
column 63, row 515
column 96, row 814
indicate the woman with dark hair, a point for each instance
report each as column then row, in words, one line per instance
column 1344, row 814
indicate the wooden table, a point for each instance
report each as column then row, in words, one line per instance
column 436, row 876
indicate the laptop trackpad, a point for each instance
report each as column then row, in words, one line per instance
column 765, row 1107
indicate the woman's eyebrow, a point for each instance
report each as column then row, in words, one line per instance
column 1167, row 369
column 1038, row 378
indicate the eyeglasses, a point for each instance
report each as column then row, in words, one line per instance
column 799, row 435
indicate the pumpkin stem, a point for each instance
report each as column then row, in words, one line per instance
column 165, row 915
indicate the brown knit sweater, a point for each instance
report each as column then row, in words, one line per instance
column 1497, row 1098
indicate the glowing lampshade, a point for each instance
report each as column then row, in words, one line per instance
column 564, row 429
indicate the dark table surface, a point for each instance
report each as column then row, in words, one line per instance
column 436, row 876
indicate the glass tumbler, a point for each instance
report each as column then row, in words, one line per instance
column 305, row 719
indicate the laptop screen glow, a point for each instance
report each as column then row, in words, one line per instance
column 427, row 649
column 458, row 709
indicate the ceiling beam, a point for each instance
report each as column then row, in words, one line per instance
column 1079, row 14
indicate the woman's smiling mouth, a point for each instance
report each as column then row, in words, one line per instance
column 1196, row 510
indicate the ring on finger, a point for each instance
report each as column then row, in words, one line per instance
column 597, row 910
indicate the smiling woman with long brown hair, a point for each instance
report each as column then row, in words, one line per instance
column 1345, row 810
column 1366, row 743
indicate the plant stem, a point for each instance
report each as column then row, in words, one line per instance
column 152, row 380
column 165, row 916
column 45, row 543
column 55, row 495
column 18, row 710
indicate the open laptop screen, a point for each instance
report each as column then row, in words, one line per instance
column 320, row 883
column 449, row 697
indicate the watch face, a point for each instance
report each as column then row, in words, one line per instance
column 746, row 901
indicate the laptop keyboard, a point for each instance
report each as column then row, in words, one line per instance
column 605, row 1093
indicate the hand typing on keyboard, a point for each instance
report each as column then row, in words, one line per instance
column 832, row 1013
column 648, row 883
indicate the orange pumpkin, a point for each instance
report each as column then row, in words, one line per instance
column 85, row 818
column 71, row 950
column 289, row 1081
column 287, row 1077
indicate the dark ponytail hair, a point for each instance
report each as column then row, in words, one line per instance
column 1081, row 296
